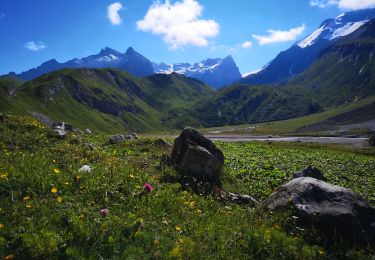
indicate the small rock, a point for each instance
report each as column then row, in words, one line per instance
column 161, row 142
column 134, row 135
column 85, row 168
column 310, row 171
column 88, row 145
column 60, row 132
column 77, row 130
column 88, row 131
column 115, row 139
column 331, row 209
column 196, row 156
column 242, row 199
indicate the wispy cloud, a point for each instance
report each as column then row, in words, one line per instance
column 344, row 4
column 323, row 3
column 113, row 13
column 246, row 44
column 35, row 46
column 179, row 23
column 275, row 36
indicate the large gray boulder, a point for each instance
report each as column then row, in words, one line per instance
column 196, row 156
column 331, row 209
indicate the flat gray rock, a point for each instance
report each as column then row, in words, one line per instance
column 332, row 209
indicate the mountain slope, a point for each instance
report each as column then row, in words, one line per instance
column 214, row 72
column 345, row 71
column 107, row 99
column 243, row 103
column 342, row 74
column 305, row 52
column 130, row 61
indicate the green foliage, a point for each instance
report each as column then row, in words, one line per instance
column 106, row 100
column 49, row 209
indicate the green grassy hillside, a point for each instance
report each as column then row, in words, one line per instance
column 105, row 99
column 353, row 113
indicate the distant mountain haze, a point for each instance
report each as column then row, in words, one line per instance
column 214, row 72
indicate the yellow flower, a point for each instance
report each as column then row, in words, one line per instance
column 8, row 257
column 1, row 226
column 26, row 198
column 321, row 252
column 178, row 228
column 4, row 175
column 54, row 190
column 56, row 171
column 131, row 176
column 28, row 206
column 59, row 199
column 199, row 211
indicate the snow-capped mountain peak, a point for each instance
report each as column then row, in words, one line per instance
column 342, row 25
column 215, row 72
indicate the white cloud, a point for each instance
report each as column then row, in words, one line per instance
column 246, row 44
column 344, row 4
column 323, row 3
column 178, row 23
column 356, row 4
column 112, row 13
column 35, row 46
column 275, row 36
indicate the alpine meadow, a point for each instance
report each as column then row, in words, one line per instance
column 207, row 130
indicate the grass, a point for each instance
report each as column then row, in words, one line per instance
column 285, row 127
column 49, row 209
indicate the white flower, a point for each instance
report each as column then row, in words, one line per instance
column 85, row 168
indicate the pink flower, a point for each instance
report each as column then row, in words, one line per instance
column 147, row 186
column 104, row 212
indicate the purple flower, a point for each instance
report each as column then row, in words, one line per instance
column 147, row 186
column 104, row 212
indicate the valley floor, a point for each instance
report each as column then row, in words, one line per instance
column 51, row 208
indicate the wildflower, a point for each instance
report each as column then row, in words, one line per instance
column 178, row 228
column 104, row 212
column 321, row 252
column 57, row 171
column 85, row 168
column 8, row 257
column 131, row 176
column 28, row 206
column 148, row 187
column 26, row 198
column 54, row 190
column 4, row 175
column 59, row 199
column 1, row 226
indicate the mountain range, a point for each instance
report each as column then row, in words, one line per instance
column 305, row 52
column 214, row 72
column 340, row 70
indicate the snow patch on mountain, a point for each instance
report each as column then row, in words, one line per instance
column 332, row 29
column 347, row 29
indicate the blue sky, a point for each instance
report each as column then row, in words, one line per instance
column 33, row 31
